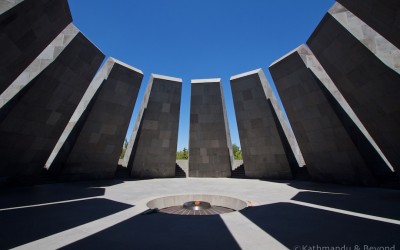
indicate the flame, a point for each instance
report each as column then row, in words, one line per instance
column 197, row 203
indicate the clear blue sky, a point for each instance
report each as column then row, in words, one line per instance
column 198, row 39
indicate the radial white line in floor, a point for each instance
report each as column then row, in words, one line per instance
column 365, row 216
column 49, row 203
column 72, row 235
column 247, row 234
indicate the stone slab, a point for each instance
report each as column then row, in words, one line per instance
column 91, row 143
column 41, row 62
column 369, row 85
column 210, row 148
column 265, row 148
column 155, row 137
column 33, row 125
column 328, row 149
column 382, row 15
column 26, row 29
column 367, row 146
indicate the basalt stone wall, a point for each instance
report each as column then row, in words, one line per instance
column 261, row 142
column 328, row 150
column 11, row 95
column 381, row 15
column 25, row 31
column 93, row 137
column 153, row 154
column 365, row 68
column 209, row 141
column 32, row 127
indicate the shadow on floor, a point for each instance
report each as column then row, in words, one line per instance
column 162, row 231
column 295, row 225
column 20, row 226
column 39, row 194
column 372, row 201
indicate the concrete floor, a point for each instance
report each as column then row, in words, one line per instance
column 108, row 215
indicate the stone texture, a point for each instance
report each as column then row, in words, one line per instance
column 155, row 136
column 369, row 86
column 265, row 148
column 6, row 5
column 33, row 125
column 210, row 149
column 314, row 115
column 382, row 15
column 376, row 43
column 371, row 152
column 26, row 29
column 91, row 143
column 44, row 59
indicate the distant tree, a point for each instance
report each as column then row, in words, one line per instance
column 185, row 153
column 124, row 147
column 237, row 153
column 182, row 155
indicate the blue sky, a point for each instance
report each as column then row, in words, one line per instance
column 198, row 39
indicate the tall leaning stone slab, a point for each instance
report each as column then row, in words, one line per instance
column 152, row 151
column 328, row 150
column 90, row 145
column 32, row 126
column 210, row 149
column 381, row 15
column 10, row 96
column 26, row 28
column 365, row 67
column 269, row 148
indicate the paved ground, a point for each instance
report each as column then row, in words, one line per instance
column 108, row 215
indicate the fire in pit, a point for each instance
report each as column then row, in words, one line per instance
column 196, row 205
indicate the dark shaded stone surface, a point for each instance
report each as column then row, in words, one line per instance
column 34, row 124
column 97, row 147
column 370, row 87
column 25, row 31
column 162, row 231
column 154, row 150
column 32, row 223
column 381, row 15
column 320, row 227
column 328, row 150
column 263, row 152
column 209, row 154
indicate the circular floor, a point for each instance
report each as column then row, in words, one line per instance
column 279, row 215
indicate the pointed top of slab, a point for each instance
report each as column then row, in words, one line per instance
column 168, row 78
column 207, row 80
column 125, row 65
column 291, row 52
column 253, row 72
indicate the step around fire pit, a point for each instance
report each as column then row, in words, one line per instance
column 196, row 204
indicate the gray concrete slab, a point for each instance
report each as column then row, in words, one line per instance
column 383, row 16
column 315, row 116
column 152, row 148
column 41, row 62
column 382, row 48
column 368, row 84
column 281, row 216
column 33, row 125
column 370, row 151
column 267, row 151
column 210, row 147
column 26, row 29
column 91, row 143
